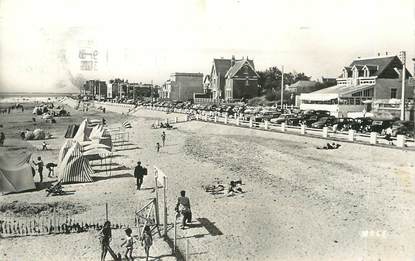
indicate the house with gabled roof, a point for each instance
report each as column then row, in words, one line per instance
column 233, row 79
column 359, row 85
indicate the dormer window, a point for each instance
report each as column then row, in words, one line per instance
column 355, row 73
column 366, row 72
column 345, row 74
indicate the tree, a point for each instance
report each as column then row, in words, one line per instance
column 269, row 82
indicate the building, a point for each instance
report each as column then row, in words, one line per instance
column 359, row 85
column 95, row 89
column 182, row 86
column 232, row 79
column 122, row 89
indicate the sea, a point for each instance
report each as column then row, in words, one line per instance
column 25, row 97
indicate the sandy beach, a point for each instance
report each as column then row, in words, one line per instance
column 300, row 203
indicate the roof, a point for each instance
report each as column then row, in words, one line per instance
column 342, row 90
column 222, row 65
column 238, row 65
column 381, row 62
column 302, row 84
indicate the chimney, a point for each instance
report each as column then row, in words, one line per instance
column 233, row 60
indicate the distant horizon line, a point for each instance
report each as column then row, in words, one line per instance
column 25, row 92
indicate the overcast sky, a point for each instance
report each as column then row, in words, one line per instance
column 148, row 40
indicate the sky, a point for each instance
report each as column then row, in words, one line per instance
column 146, row 41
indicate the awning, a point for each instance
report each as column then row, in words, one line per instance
column 319, row 96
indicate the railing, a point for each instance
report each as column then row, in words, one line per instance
column 350, row 136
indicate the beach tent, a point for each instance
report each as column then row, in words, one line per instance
column 71, row 131
column 75, row 167
column 83, row 132
column 15, row 173
column 64, row 149
column 94, row 122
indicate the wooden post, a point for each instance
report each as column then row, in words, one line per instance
column 266, row 125
column 283, row 126
column 373, row 137
column 303, row 129
column 325, row 132
column 400, row 141
column 187, row 249
column 175, row 235
column 165, row 206
column 106, row 211
column 157, row 197
column 351, row 135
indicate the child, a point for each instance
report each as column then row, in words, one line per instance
column 128, row 244
column 44, row 146
column 147, row 240
column 158, row 147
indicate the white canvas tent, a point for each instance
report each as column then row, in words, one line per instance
column 75, row 167
column 15, row 173
column 83, row 132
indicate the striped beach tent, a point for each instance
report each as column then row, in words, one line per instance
column 126, row 124
column 74, row 167
column 83, row 132
column 64, row 149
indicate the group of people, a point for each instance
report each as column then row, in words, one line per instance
column 105, row 237
column 40, row 164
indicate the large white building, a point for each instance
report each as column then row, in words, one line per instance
column 359, row 84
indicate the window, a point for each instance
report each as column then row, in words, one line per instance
column 393, row 93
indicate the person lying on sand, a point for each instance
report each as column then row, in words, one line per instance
column 329, row 146
column 234, row 188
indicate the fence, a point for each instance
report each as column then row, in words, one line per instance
column 350, row 136
column 57, row 224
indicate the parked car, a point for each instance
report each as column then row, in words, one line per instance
column 344, row 124
column 282, row 118
column 293, row 121
column 324, row 122
column 403, row 128
column 362, row 124
column 380, row 125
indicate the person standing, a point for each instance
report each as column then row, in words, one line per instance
column 105, row 238
column 2, row 138
column 129, row 243
column 147, row 240
column 139, row 173
column 158, row 147
column 39, row 164
column 183, row 207
column 163, row 138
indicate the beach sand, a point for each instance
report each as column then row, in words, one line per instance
column 300, row 203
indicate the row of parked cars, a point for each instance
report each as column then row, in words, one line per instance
column 295, row 117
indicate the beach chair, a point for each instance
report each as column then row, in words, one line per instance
column 55, row 189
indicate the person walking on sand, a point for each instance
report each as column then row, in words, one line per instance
column 51, row 167
column 129, row 243
column 39, row 164
column 147, row 240
column 163, row 138
column 139, row 173
column 158, row 147
column 183, row 207
column 105, row 238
